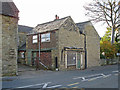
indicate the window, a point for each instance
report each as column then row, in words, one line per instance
column 45, row 37
column 35, row 39
column 71, row 58
column 22, row 54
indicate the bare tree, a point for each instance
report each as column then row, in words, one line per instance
column 106, row 11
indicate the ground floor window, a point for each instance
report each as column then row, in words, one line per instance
column 22, row 54
column 71, row 58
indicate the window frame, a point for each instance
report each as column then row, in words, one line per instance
column 45, row 37
column 22, row 54
column 35, row 39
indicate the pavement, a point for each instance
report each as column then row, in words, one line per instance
column 25, row 71
column 28, row 71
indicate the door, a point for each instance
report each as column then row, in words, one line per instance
column 56, row 62
column 34, row 56
column 78, row 60
column 45, row 58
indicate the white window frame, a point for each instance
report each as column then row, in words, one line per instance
column 45, row 37
column 22, row 54
column 35, row 39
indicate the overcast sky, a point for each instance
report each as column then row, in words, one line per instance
column 33, row 12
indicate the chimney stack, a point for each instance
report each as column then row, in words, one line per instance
column 56, row 17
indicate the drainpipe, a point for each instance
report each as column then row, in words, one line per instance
column 39, row 48
column 85, row 49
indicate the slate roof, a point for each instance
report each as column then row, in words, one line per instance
column 49, row 26
column 81, row 25
column 25, row 29
column 9, row 9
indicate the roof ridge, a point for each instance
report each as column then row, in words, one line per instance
column 83, row 22
column 51, row 25
column 53, row 21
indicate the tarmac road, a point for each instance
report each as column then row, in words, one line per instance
column 95, row 77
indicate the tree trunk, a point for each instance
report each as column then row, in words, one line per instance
column 112, row 35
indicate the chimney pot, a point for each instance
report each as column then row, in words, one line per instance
column 56, row 17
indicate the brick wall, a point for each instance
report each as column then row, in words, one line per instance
column 43, row 45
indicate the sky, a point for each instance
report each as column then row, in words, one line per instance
column 34, row 12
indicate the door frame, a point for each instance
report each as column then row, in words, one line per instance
column 79, row 60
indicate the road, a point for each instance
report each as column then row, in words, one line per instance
column 97, row 77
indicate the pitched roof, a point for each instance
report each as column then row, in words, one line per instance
column 81, row 25
column 9, row 9
column 25, row 29
column 49, row 26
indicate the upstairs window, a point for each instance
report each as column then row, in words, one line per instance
column 45, row 37
column 35, row 39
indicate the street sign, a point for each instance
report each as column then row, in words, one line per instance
column 118, row 54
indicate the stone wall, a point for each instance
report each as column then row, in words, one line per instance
column 69, row 37
column 9, row 45
column 93, row 45
column 0, row 45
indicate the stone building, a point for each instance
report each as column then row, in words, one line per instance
column 92, row 43
column 22, row 33
column 8, row 38
column 59, row 44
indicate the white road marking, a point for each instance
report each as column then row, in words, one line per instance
column 107, row 75
column 93, row 78
column 77, row 77
column 45, row 85
column 32, row 85
column 88, row 76
column 83, row 78
column 115, row 71
column 54, row 86
column 103, row 74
